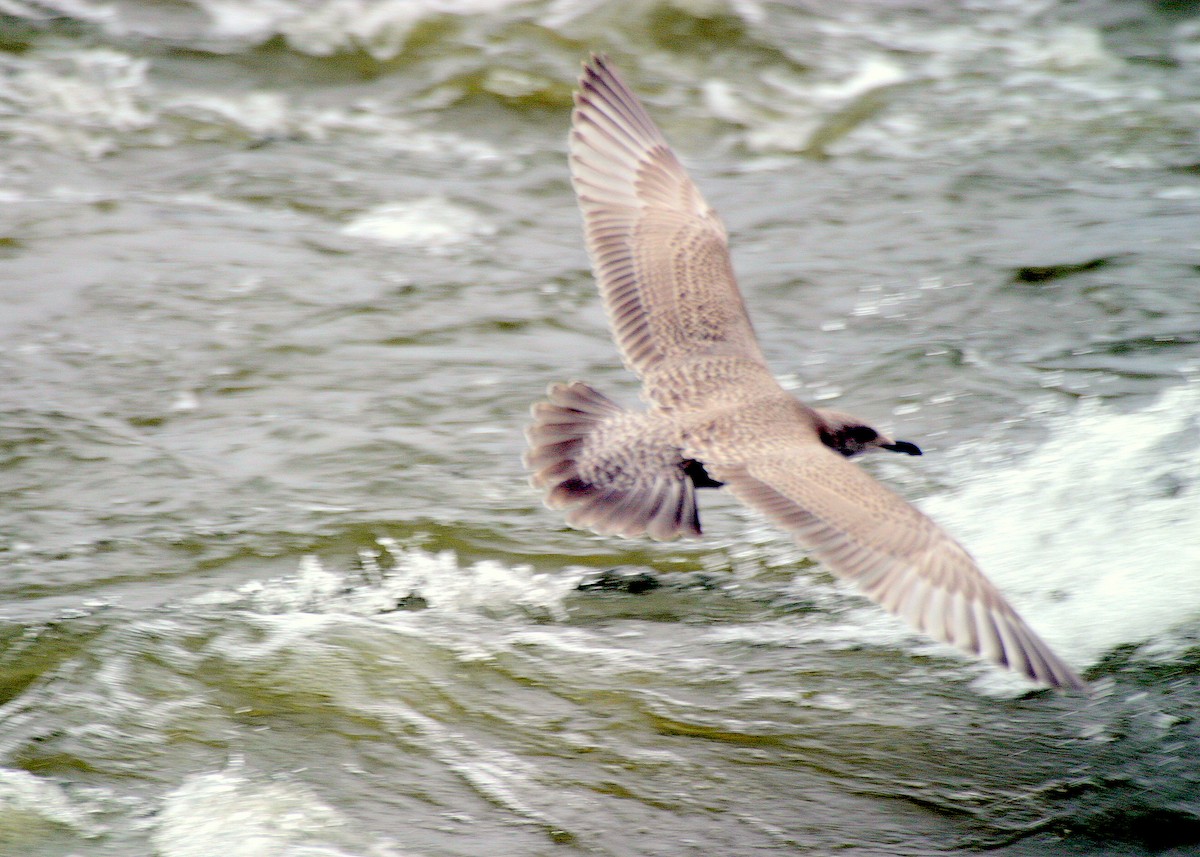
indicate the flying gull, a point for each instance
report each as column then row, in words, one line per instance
column 718, row 417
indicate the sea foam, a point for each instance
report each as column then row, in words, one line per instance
column 1095, row 535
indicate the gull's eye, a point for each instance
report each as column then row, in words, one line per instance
column 862, row 434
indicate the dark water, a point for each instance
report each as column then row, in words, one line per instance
column 281, row 279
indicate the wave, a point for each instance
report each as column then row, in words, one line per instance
column 393, row 577
column 788, row 81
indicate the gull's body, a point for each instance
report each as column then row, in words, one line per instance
column 717, row 415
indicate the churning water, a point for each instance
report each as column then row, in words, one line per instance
column 281, row 279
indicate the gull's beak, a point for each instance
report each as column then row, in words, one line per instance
column 902, row 446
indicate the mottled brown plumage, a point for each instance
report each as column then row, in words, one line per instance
column 717, row 415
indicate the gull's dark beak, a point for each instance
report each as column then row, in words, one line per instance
column 902, row 446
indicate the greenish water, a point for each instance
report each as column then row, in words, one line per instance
column 281, row 280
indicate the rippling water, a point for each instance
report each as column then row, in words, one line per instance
column 281, row 279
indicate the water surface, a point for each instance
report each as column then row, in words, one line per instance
column 281, row 280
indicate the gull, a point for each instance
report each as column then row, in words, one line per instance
column 717, row 416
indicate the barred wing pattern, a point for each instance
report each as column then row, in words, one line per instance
column 898, row 557
column 659, row 252
column 661, row 259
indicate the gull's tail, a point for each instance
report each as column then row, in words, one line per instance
column 615, row 472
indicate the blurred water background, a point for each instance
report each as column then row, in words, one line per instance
column 280, row 279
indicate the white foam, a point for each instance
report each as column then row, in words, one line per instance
column 258, row 114
column 239, row 20
column 94, row 102
column 1095, row 535
column 874, row 73
column 436, row 579
column 28, row 802
column 236, row 815
column 484, row 586
column 432, row 223
column 302, row 640
column 83, row 101
column 1044, row 75
column 43, row 10
column 379, row 27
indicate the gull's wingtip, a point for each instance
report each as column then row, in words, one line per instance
column 597, row 65
column 1072, row 683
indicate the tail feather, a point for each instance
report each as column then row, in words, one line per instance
column 615, row 472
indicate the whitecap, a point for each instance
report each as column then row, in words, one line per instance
column 380, row 29
column 395, row 574
column 231, row 813
column 1095, row 535
column 29, row 802
column 431, row 222
column 84, row 101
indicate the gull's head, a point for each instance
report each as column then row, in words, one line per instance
column 851, row 436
